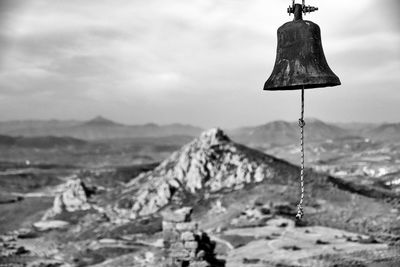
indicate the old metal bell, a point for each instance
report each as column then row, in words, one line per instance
column 300, row 60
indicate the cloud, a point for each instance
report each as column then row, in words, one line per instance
column 197, row 61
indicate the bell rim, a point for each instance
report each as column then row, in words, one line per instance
column 301, row 86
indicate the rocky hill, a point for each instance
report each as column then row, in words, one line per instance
column 209, row 164
column 212, row 166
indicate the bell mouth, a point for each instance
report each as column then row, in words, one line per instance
column 311, row 83
column 299, row 87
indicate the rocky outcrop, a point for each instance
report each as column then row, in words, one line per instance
column 210, row 163
column 73, row 196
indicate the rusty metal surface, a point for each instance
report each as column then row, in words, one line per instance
column 300, row 59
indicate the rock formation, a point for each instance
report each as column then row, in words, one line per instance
column 73, row 196
column 210, row 163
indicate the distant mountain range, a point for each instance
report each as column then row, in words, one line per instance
column 272, row 133
column 95, row 129
column 384, row 132
column 283, row 133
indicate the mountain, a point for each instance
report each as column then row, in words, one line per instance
column 95, row 129
column 100, row 121
column 357, row 128
column 274, row 133
column 284, row 133
column 385, row 132
column 211, row 163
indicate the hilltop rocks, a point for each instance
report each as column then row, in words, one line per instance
column 73, row 196
column 210, row 163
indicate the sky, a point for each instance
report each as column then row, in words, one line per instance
column 200, row 62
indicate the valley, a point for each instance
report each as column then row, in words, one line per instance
column 100, row 196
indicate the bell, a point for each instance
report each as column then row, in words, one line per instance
column 300, row 60
column 300, row 64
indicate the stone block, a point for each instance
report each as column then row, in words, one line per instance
column 199, row 264
column 180, row 254
column 171, row 235
column 177, row 246
column 192, row 245
column 186, row 226
column 180, row 215
column 187, row 236
column 168, row 225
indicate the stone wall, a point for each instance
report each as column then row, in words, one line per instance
column 183, row 242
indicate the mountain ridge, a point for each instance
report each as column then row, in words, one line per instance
column 274, row 133
column 283, row 133
column 94, row 129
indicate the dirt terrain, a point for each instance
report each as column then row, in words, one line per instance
column 245, row 200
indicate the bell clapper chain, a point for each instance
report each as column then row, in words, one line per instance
column 302, row 123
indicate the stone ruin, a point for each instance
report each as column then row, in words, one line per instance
column 184, row 244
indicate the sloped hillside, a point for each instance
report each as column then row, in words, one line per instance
column 212, row 167
column 209, row 164
column 284, row 133
column 243, row 199
column 389, row 132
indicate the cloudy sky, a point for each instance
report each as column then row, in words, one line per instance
column 202, row 62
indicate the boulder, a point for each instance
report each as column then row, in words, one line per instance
column 72, row 196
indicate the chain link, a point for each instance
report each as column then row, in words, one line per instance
column 302, row 123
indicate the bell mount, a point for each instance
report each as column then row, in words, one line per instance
column 297, row 9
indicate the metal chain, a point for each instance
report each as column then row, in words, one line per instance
column 302, row 123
